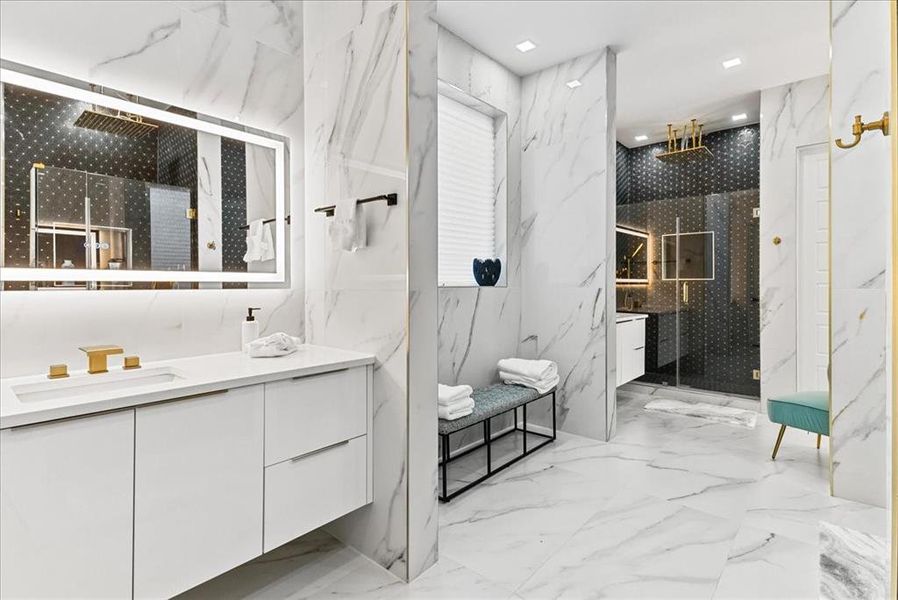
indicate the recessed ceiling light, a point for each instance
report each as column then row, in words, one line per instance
column 641, row 138
column 525, row 46
column 732, row 62
column 574, row 83
column 740, row 117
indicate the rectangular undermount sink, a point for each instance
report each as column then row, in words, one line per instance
column 89, row 385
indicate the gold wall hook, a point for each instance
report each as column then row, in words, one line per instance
column 859, row 127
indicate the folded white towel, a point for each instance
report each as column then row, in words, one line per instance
column 276, row 344
column 459, row 405
column 451, row 415
column 259, row 242
column 540, row 385
column 535, row 370
column 447, row 394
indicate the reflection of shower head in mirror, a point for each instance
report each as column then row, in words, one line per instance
column 116, row 123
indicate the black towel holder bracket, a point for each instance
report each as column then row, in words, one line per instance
column 391, row 200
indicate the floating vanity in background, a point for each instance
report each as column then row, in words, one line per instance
column 148, row 482
column 630, row 346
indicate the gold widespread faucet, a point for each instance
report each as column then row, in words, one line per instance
column 96, row 357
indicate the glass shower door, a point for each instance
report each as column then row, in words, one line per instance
column 714, row 267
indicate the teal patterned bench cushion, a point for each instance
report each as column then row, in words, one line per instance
column 808, row 411
column 489, row 402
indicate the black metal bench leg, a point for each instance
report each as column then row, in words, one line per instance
column 554, row 430
column 525, row 428
column 487, row 438
column 445, row 440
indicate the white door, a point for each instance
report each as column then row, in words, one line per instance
column 66, row 508
column 813, row 267
column 197, row 489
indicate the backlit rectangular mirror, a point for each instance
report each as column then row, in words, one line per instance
column 104, row 190
column 692, row 261
column 632, row 256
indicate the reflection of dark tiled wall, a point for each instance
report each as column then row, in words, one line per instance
column 177, row 165
column 233, row 204
column 720, row 326
column 40, row 128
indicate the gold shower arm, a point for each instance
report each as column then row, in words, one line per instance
column 859, row 127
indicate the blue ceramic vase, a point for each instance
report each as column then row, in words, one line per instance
column 487, row 271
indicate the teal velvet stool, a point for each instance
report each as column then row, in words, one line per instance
column 808, row 411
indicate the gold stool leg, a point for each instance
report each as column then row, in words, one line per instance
column 779, row 439
column 818, row 441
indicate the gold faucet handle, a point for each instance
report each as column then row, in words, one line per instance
column 131, row 362
column 58, row 371
column 96, row 357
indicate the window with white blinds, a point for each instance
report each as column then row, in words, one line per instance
column 466, row 167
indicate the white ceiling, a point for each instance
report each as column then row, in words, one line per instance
column 669, row 53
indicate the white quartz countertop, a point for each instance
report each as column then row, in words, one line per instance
column 623, row 317
column 178, row 378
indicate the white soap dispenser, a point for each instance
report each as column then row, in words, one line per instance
column 250, row 329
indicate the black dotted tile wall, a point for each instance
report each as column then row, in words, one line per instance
column 40, row 128
column 177, row 165
column 233, row 207
column 720, row 325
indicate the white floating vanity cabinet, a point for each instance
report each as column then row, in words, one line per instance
column 150, row 501
column 630, row 346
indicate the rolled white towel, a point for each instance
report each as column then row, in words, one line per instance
column 536, row 370
column 447, row 394
column 542, row 386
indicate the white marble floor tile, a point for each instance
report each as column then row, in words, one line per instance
column 853, row 565
column 299, row 569
column 638, row 548
column 763, row 564
column 509, row 525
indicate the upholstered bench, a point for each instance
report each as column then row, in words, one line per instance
column 491, row 402
column 808, row 411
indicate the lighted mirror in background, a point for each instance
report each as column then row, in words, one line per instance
column 108, row 191
column 632, row 256
column 696, row 256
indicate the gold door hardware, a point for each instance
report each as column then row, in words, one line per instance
column 686, row 293
column 859, row 127
column 756, row 374
column 58, row 371
column 211, row 245
column 131, row 362
column 777, row 240
column 191, row 214
column 96, row 357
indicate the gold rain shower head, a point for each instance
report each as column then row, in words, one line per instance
column 116, row 123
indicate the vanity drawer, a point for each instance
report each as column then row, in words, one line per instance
column 309, row 491
column 308, row 413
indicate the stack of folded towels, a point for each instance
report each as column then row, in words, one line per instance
column 455, row 401
column 541, row 375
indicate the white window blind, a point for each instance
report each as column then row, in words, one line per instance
column 466, row 167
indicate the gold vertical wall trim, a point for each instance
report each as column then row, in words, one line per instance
column 893, row 571
column 829, row 250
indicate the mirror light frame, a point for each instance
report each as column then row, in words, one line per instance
column 642, row 234
column 17, row 78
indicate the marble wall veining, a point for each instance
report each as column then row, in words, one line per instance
column 567, row 233
column 241, row 61
column 378, row 299
column 793, row 116
column 860, row 254
column 480, row 325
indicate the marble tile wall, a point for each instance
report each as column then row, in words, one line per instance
column 423, row 305
column 792, row 116
column 209, row 204
column 480, row 325
column 236, row 60
column 860, row 254
column 567, row 233
column 378, row 299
